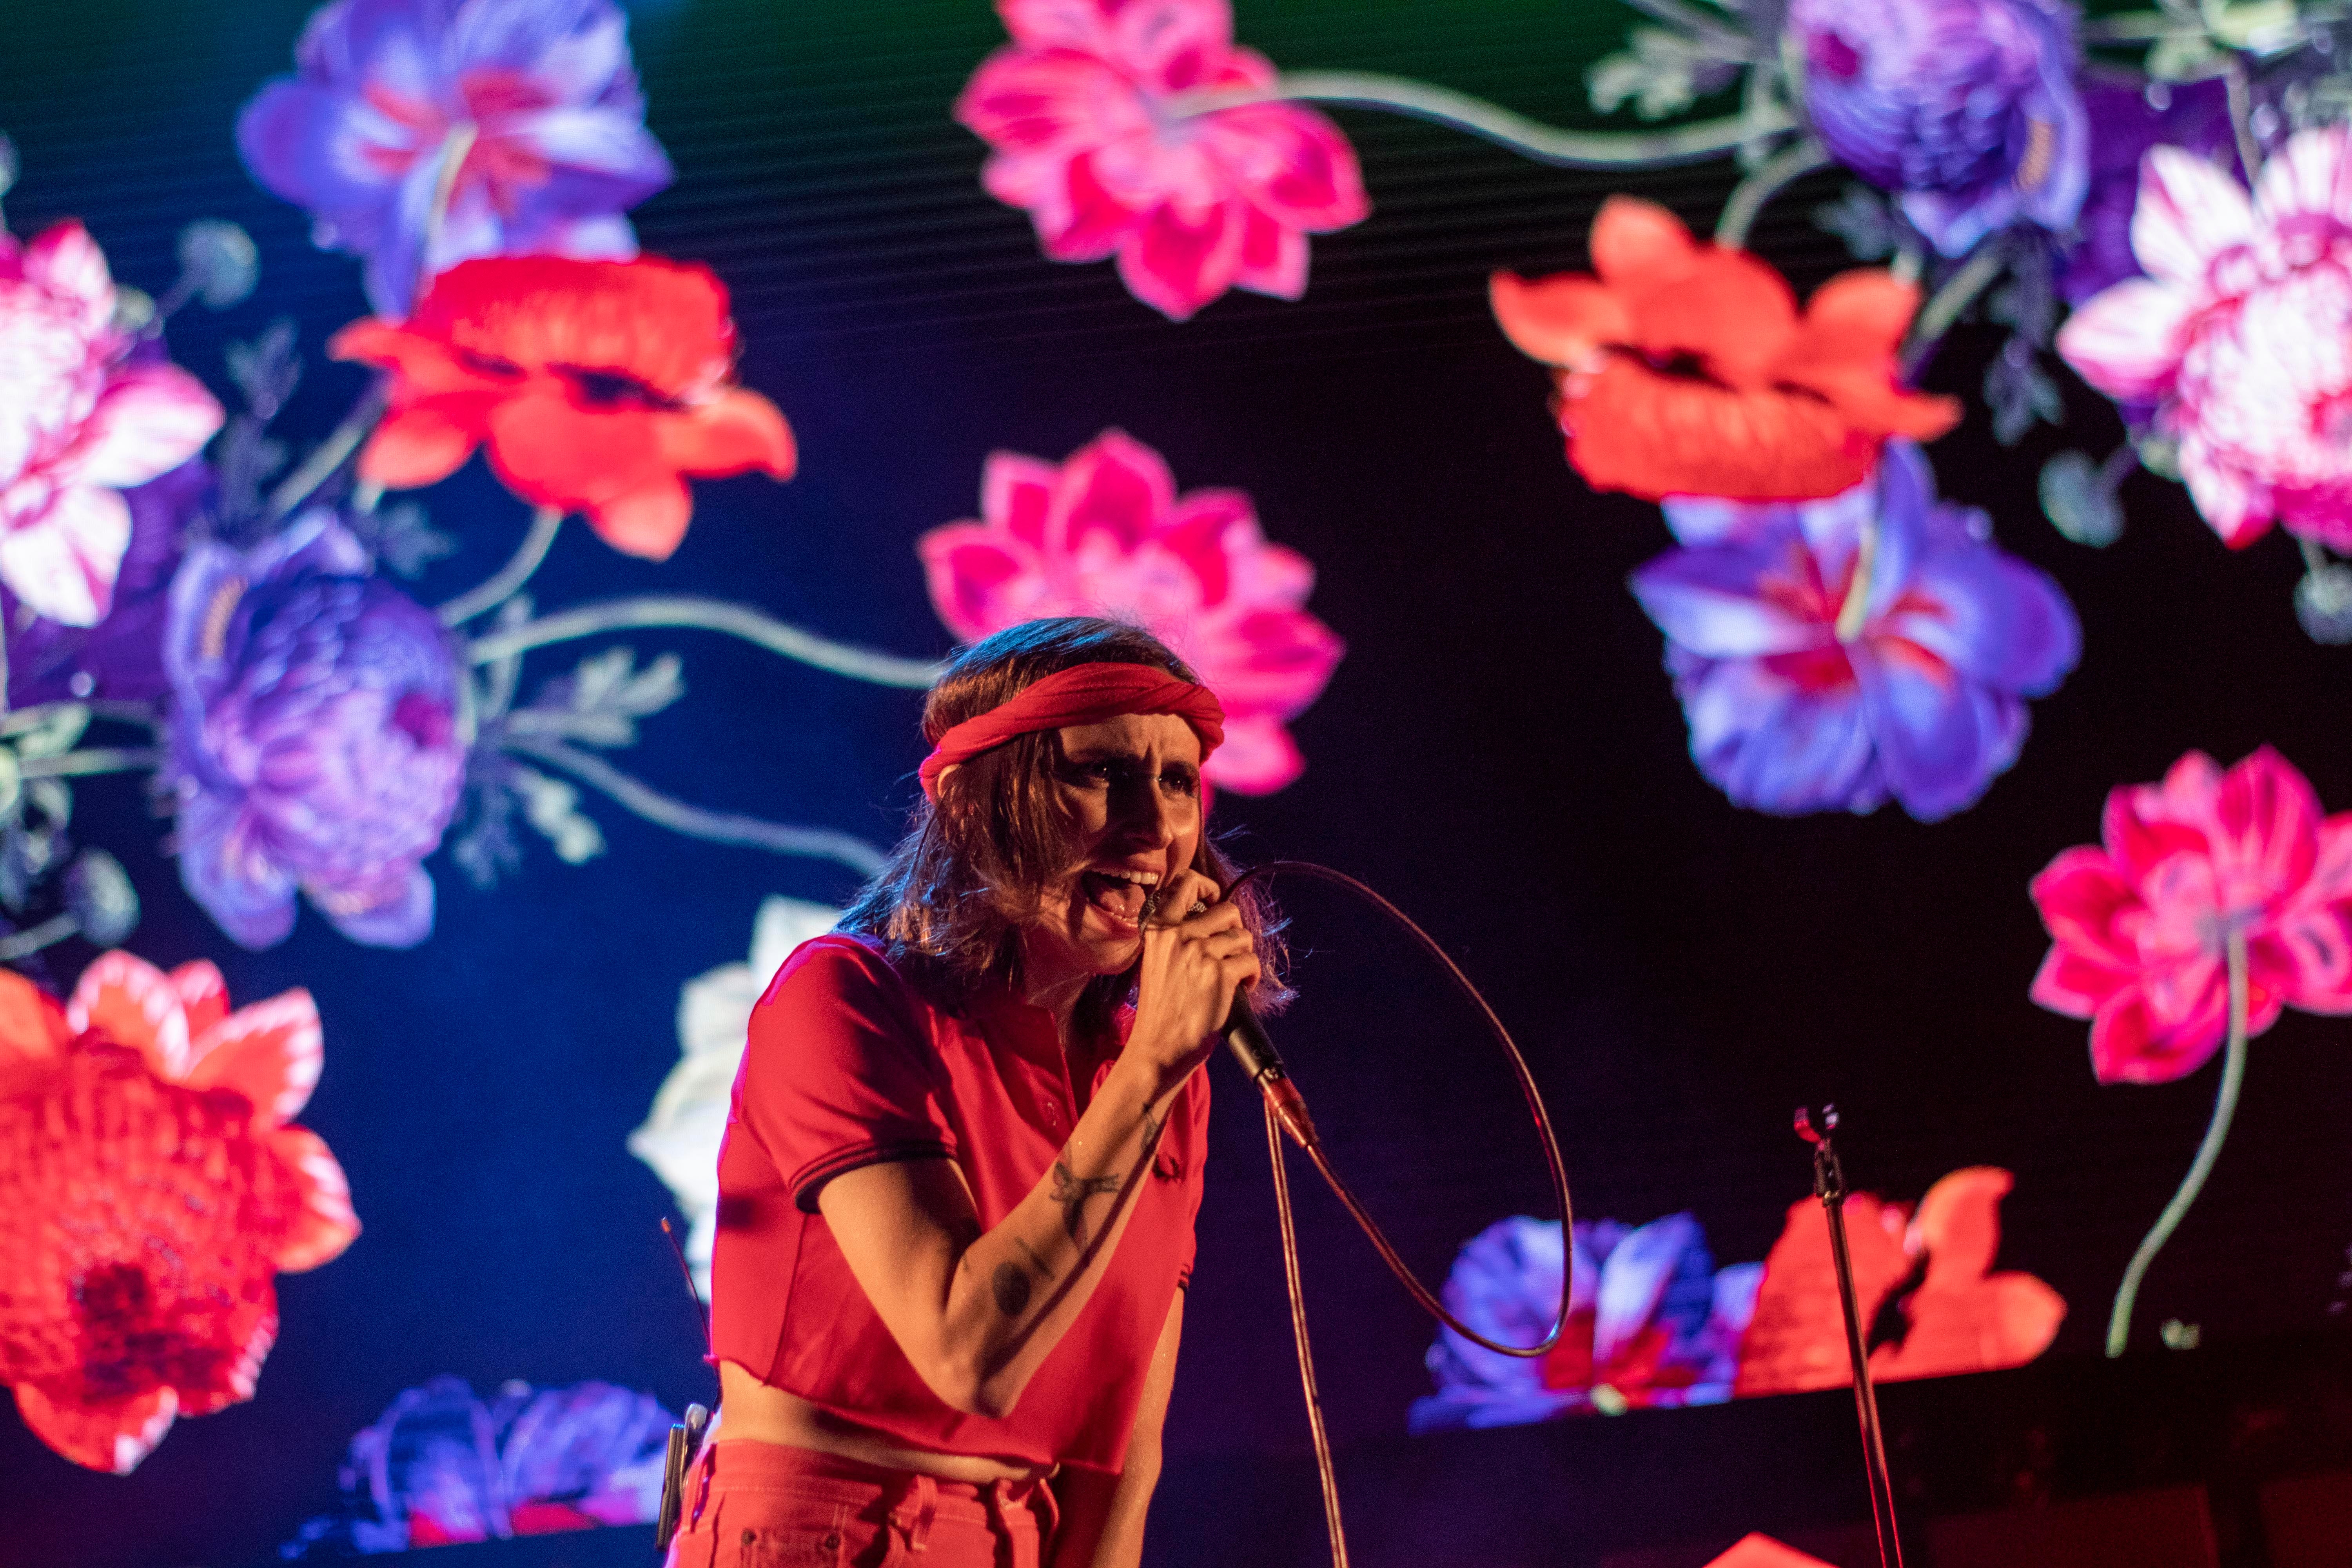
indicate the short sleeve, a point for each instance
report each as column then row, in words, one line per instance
column 838, row 1071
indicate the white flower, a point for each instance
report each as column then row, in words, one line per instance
column 79, row 422
column 680, row 1135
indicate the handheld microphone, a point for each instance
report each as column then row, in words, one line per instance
column 1247, row 1039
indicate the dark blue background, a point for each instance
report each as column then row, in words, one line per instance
column 1499, row 752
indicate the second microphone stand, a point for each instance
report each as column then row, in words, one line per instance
column 1829, row 1185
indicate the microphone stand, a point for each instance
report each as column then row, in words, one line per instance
column 1829, row 1185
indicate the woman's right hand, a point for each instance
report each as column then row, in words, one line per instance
column 1191, row 967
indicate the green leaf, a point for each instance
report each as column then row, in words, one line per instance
column 2078, row 503
column 552, row 807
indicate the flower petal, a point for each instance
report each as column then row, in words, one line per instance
column 1177, row 262
column 203, row 994
column 1939, row 743
column 133, row 1002
column 62, row 563
column 65, row 261
column 2310, row 175
column 1634, row 1279
column 2188, row 213
column 1641, row 244
column 2127, row 341
column 270, row 1053
column 240, row 884
column 2238, row 505
column 734, row 433
column 1114, row 485
column 111, row 1437
column 326, row 1223
column 1289, row 163
column 418, row 445
column 1775, row 749
column 980, row 583
column 391, row 910
column 1016, row 494
column 1563, row 319
column 648, row 522
column 1710, row 600
column 33, row 1030
column 148, row 421
column 1258, row 756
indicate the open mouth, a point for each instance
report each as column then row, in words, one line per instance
column 1119, row 892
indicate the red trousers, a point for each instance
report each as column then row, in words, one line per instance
column 764, row 1505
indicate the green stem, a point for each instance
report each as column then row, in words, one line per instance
column 1529, row 138
column 2225, row 1105
column 1955, row 294
column 499, row 588
column 31, row 939
column 1785, row 167
column 2242, row 116
column 718, row 826
column 329, row 454
column 92, row 759
column 709, row 615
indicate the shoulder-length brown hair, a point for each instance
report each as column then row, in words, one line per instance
column 950, row 902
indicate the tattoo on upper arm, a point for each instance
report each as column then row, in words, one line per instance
column 1072, row 1193
column 1044, row 1271
column 1009, row 1285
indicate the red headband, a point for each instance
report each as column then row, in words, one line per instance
column 1084, row 694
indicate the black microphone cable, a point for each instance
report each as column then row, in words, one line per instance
column 1286, row 1109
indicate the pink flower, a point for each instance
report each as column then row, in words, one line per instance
column 2240, row 333
column 2141, row 927
column 78, row 423
column 1106, row 533
column 1081, row 112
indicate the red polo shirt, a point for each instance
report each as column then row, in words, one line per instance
column 849, row 1065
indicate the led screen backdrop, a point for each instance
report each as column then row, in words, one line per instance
column 579, row 713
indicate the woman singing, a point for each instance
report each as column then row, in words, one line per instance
column 964, row 1158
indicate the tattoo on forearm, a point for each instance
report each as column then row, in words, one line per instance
column 1152, row 1126
column 1009, row 1285
column 1072, row 1193
column 1044, row 1271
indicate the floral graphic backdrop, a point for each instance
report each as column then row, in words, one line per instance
column 1701, row 504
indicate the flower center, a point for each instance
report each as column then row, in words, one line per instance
column 1830, row 54
column 601, row 388
column 2041, row 155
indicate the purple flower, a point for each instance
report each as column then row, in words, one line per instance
column 441, row 1465
column 314, row 743
column 539, row 93
column 1651, row 1323
column 120, row 659
column 1832, row 653
column 2123, row 126
column 1967, row 108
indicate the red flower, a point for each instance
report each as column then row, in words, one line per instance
column 150, row 1189
column 596, row 386
column 1686, row 368
column 1958, row 1315
column 2141, row 927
